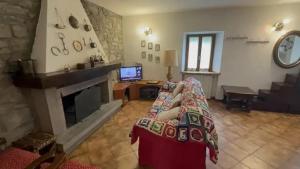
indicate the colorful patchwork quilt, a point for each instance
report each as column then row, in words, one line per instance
column 195, row 122
column 162, row 103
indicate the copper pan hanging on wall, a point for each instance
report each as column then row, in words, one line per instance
column 73, row 22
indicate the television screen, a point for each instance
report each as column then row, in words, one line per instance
column 131, row 73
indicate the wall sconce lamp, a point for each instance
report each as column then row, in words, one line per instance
column 148, row 31
column 278, row 26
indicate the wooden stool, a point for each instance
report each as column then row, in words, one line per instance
column 38, row 142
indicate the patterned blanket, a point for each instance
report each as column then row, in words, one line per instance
column 195, row 122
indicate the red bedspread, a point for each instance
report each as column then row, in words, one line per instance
column 155, row 151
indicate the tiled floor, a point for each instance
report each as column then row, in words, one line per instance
column 256, row 140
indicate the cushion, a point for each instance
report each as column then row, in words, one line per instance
column 169, row 86
column 162, row 103
column 169, row 115
column 176, row 101
column 13, row 158
column 178, row 89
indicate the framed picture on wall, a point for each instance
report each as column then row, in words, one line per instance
column 143, row 55
column 143, row 43
column 150, row 57
column 157, row 47
column 150, row 45
column 157, row 59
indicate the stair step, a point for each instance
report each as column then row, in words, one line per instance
column 276, row 86
column 283, row 96
column 264, row 91
column 263, row 94
column 291, row 78
column 270, row 106
column 259, row 105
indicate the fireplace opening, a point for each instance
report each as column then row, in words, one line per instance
column 79, row 105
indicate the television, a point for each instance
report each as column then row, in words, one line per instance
column 131, row 73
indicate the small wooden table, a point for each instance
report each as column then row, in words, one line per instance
column 238, row 96
column 133, row 89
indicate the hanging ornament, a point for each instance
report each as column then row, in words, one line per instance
column 92, row 44
column 86, row 26
column 73, row 22
column 60, row 23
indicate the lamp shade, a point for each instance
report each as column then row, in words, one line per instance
column 170, row 58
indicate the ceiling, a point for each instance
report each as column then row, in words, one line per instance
column 139, row 7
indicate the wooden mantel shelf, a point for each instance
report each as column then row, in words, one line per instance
column 61, row 78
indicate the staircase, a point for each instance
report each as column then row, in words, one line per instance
column 282, row 97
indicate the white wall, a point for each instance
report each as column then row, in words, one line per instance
column 47, row 36
column 242, row 64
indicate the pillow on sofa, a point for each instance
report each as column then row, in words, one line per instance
column 169, row 86
column 178, row 89
column 176, row 100
column 169, row 115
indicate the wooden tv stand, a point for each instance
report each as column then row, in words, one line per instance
column 132, row 88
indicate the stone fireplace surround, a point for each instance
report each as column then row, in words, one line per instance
column 46, row 101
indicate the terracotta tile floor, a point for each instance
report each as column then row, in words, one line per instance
column 256, row 140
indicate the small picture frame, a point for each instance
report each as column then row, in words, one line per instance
column 150, row 45
column 157, row 59
column 157, row 47
column 150, row 57
column 143, row 43
column 143, row 55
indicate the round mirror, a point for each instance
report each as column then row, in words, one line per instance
column 287, row 50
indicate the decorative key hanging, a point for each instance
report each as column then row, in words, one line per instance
column 61, row 36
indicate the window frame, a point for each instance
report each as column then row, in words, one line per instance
column 200, row 36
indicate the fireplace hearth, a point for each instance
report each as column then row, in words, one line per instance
column 71, row 105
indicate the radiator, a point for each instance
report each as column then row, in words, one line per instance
column 209, row 82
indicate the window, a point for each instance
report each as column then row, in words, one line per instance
column 199, row 52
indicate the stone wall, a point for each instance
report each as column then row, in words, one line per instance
column 18, row 20
column 108, row 27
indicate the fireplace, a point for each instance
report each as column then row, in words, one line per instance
column 79, row 105
column 71, row 105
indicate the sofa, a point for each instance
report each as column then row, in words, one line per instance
column 179, row 143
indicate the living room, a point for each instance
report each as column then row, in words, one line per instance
column 150, row 84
